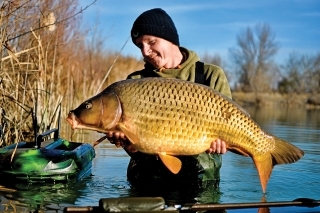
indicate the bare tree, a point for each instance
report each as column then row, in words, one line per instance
column 217, row 60
column 317, row 73
column 253, row 58
column 212, row 59
column 301, row 74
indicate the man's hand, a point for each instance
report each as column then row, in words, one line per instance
column 119, row 139
column 218, row 146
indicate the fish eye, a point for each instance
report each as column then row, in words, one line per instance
column 88, row 105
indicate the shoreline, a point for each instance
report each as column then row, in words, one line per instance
column 307, row 101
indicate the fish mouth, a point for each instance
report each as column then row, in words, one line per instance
column 72, row 120
column 76, row 124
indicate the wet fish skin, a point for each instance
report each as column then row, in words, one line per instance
column 171, row 117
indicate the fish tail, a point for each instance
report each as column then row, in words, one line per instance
column 283, row 153
column 264, row 165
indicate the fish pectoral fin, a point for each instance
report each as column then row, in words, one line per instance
column 133, row 138
column 238, row 151
column 172, row 163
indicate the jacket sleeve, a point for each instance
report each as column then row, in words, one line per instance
column 218, row 79
column 135, row 75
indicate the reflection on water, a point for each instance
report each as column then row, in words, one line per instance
column 285, row 116
column 239, row 178
column 41, row 196
column 287, row 182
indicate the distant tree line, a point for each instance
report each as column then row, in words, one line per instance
column 301, row 74
column 254, row 64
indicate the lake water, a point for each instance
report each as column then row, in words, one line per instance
column 239, row 179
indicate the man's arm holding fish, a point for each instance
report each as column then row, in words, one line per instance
column 119, row 139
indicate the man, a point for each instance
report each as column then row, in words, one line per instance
column 155, row 34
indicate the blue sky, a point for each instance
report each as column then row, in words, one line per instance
column 211, row 26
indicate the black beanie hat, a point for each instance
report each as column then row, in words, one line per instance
column 155, row 22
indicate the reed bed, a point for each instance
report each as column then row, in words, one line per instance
column 47, row 66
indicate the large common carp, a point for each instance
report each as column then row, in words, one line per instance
column 171, row 117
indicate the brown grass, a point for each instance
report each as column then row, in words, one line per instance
column 46, row 62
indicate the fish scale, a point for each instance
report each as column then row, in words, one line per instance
column 171, row 117
column 169, row 110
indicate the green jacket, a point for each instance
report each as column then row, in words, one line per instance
column 205, row 167
column 214, row 74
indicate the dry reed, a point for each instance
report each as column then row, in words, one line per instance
column 46, row 62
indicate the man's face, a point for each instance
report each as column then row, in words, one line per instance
column 155, row 50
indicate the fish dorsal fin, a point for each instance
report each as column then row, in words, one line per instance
column 234, row 103
column 172, row 163
column 133, row 138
